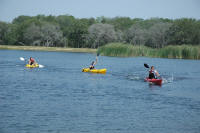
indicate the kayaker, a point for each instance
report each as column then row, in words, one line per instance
column 153, row 74
column 93, row 64
column 31, row 61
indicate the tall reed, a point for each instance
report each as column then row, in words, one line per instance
column 172, row 51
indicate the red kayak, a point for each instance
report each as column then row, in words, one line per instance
column 154, row 81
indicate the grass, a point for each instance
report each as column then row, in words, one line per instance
column 122, row 50
column 181, row 52
column 127, row 50
column 40, row 48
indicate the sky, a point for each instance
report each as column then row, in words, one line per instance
column 172, row 9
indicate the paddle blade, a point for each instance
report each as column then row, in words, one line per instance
column 146, row 65
column 22, row 59
column 98, row 54
column 41, row 66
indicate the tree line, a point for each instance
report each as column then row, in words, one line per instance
column 68, row 31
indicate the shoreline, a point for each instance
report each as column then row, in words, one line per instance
column 121, row 50
column 53, row 49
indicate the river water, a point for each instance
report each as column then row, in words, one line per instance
column 59, row 98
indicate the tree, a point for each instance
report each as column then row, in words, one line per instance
column 46, row 34
column 77, row 37
column 196, row 37
column 120, row 23
column 3, row 31
column 101, row 34
column 51, row 35
column 184, row 31
column 120, row 36
column 22, row 27
column 21, row 19
column 157, row 35
column 136, row 35
column 11, row 36
column 32, row 35
column 66, row 30
column 65, row 22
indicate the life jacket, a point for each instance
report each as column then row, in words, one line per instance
column 91, row 67
column 152, row 74
column 151, row 71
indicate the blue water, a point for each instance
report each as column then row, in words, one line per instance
column 59, row 98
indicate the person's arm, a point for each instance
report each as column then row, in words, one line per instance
column 96, row 61
column 35, row 62
column 157, row 74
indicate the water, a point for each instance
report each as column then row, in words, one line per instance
column 59, row 98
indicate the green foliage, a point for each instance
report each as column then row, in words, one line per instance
column 11, row 36
column 184, row 31
column 65, row 22
column 3, row 31
column 77, row 35
column 8, row 34
column 21, row 19
column 68, row 31
column 120, row 23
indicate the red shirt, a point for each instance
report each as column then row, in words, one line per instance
column 32, row 60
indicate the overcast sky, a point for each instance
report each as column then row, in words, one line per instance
column 9, row 9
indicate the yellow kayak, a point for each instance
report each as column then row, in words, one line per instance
column 94, row 70
column 32, row 66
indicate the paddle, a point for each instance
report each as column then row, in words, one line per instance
column 97, row 56
column 24, row 59
column 146, row 65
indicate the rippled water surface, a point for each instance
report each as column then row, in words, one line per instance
column 59, row 98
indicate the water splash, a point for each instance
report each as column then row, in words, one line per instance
column 168, row 80
column 134, row 77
